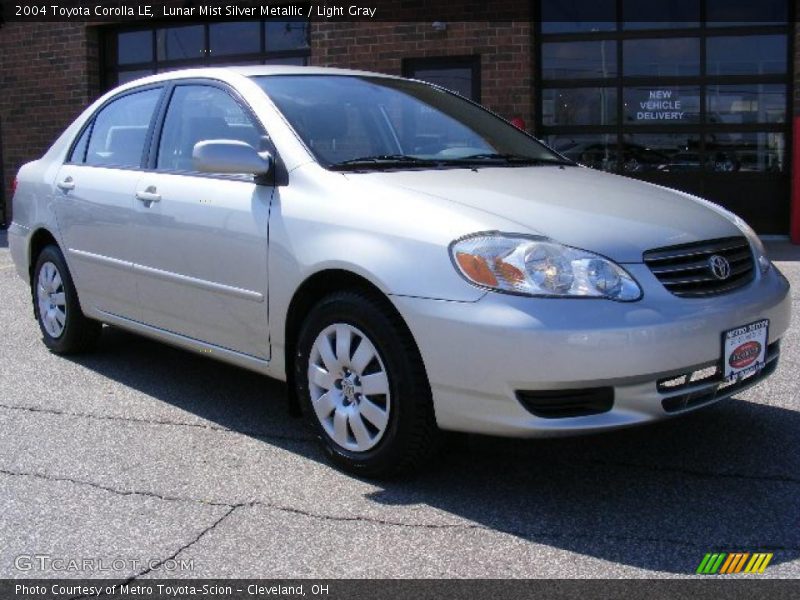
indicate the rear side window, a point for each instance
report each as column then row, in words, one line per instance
column 120, row 130
column 78, row 154
column 197, row 113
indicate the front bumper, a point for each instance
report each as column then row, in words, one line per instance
column 478, row 355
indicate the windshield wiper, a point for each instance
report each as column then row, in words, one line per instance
column 514, row 159
column 383, row 160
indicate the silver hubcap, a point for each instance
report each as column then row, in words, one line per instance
column 349, row 387
column 52, row 300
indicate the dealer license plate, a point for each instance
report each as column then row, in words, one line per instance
column 744, row 350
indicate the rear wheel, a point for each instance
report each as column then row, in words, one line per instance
column 362, row 385
column 64, row 327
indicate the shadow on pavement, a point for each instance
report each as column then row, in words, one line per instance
column 658, row 497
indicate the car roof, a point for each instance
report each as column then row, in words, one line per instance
column 232, row 72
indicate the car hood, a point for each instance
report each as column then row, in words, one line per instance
column 612, row 215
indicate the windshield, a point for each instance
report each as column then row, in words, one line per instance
column 362, row 122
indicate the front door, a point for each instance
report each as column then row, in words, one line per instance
column 202, row 247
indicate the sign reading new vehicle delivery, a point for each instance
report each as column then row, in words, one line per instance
column 660, row 105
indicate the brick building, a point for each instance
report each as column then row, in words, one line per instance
column 692, row 94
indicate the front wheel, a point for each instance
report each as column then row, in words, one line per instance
column 64, row 328
column 362, row 384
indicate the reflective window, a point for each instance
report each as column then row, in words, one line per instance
column 457, row 75
column 661, row 105
column 126, row 76
column 579, row 106
column 120, row 130
column 78, row 154
column 134, row 47
column 133, row 54
column 661, row 57
column 286, row 35
column 177, row 43
column 666, row 152
column 576, row 16
column 576, row 60
column 746, row 55
column 197, row 113
column 746, row 12
column 746, row 103
column 743, row 152
column 596, row 151
column 234, row 38
column 665, row 14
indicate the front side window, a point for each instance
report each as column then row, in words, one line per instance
column 376, row 120
column 197, row 113
column 120, row 130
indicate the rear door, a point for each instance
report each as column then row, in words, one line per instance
column 93, row 200
column 201, row 238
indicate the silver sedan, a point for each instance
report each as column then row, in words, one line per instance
column 406, row 260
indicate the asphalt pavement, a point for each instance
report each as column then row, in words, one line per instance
column 144, row 460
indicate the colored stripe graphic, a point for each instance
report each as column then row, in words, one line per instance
column 758, row 563
column 724, row 563
column 734, row 563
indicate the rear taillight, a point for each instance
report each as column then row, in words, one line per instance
column 14, row 186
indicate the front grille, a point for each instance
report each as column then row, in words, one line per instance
column 686, row 270
column 558, row 404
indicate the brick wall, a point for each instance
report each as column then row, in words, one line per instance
column 505, row 50
column 48, row 73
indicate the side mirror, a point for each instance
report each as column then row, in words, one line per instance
column 230, row 156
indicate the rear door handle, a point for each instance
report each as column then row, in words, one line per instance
column 148, row 195
column 66, row 185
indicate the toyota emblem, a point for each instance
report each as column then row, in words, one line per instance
column 720, row 267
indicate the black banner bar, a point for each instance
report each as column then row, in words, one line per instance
column 386, row 589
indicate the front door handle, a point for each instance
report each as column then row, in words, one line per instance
column 148, row 195
column 66, row 185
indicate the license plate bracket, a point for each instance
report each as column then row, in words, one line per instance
column 744, row 350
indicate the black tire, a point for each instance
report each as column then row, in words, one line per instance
column 411, row 435
column 79, row 333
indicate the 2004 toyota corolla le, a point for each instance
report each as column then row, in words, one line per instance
column 405, row 259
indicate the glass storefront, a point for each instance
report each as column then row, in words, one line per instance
column 693, row 94
column 130, row 53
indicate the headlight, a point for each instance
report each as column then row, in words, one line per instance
column 539, row 267
column 764, row 263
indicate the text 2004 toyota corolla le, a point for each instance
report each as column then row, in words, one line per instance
column 405, row 259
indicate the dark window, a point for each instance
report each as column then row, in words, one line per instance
column 120, row 130
column 746, row 103
column 579, row 106
column 746, row 12
column 661, row 105
column 661, row 152
column 134, row 47
column 135, row 52
column 691, row 94
column 746, row 55
column 598, row 151
column 197, row 113
column 234, row 38
column 78, row 154
column 458, row 74
column 573, row 60
column 286, row 35
column 661, row 57
column 665, row 14
column 573, row 16
column 747, row 152
column 178, row 43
